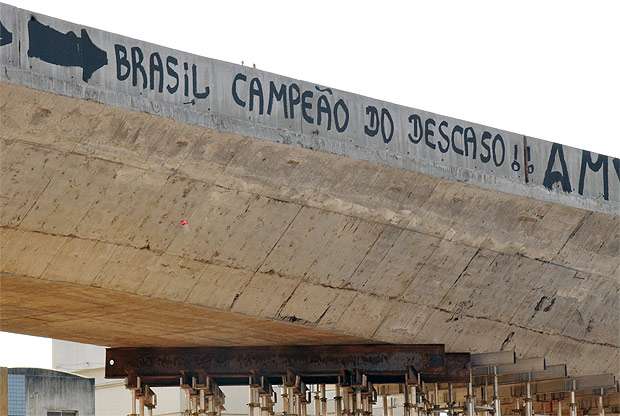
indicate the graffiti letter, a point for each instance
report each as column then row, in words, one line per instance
column 136, row 62
column 306, row 105
column 459, row 129
column 173, row 73
column 197, row 94
column 374, row 119
column 156, row 65
column 417, row 122
column 121, row 62
column 469, row 137
column 323, row 107
column 386, row 114
column 554, row 176
column 185, row 80
column 341, row 127
column 428, row 129
column 238, row 100
column 601, row 161
column 487, row 156
column 293, row 100
column 444, row 136
column 279, row 95
column 498, row 139
column 256, row 90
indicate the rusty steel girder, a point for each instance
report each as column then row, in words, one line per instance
column 457, row 366
column 313, row 364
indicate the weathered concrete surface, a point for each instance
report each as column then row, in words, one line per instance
column 44, row 391
column 76, row 61
column 283, row 245
column 296, row 233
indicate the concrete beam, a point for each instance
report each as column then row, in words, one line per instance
column 210, row 224
column 384, row 254
column 141, row 76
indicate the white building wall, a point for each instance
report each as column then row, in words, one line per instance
column 72, row 356
column 111, row 396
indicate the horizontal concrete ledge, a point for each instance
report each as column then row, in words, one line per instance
column 132, row 74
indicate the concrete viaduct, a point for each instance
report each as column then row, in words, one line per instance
column 151, row 197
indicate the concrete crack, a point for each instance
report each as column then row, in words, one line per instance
column 575, row 230
column 308, row 204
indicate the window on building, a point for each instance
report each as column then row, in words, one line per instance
column 62, row 413
column 17, row 395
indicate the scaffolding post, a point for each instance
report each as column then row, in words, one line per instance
column 497, row 405
column 573, row 405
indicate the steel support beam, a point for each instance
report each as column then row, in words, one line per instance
column 488, row 359
column 457, row 369
column 520, row 366
column 580, row 385
column 550, row 373
column 314, row 364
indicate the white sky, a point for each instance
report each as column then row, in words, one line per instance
column 547, row 69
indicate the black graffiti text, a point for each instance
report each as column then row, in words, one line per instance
column 158, row 73
column 379, row 120
column 445, row 137
column 263, row 99
column 557, row 170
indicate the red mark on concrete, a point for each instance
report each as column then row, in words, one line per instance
column 184, row 222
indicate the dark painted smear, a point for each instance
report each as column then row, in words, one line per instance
column 6, row 37
column 65, row 49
